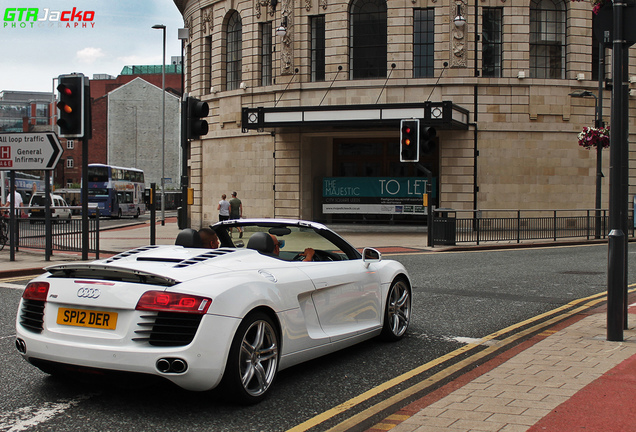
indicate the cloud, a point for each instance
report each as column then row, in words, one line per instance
column 89, row 55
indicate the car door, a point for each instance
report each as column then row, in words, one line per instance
column 65, row 211
column 347, row 297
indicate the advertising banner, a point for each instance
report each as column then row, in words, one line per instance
column 375, row 195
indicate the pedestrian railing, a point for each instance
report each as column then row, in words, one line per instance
column 66, row 235
column 478, row 226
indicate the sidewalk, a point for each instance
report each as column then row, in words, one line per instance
column 571, row 380
column 388, row 239
column 130, row 236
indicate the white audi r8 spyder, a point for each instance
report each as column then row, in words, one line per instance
column 274, row 294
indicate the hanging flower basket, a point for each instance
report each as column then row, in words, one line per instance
column 597, row 4
column 594, row 137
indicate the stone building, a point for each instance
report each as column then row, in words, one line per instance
column 306, row 99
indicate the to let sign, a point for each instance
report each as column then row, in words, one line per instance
column 29, row 151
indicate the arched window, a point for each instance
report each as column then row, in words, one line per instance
column 547, row 39
column 367, row 39
column 234, row 46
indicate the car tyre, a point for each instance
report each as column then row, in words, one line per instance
column 253, row 360
column 397, row 313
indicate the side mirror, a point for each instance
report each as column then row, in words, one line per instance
column 370, row 255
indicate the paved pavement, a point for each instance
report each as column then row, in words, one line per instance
column 571, row 379
column 567, row 378
column 131, row 235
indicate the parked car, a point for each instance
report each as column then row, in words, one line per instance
column 60, row 210
column 230, row 317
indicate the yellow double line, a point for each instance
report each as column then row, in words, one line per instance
column 560, row 313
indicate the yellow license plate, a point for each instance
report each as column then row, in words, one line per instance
column 87, row 318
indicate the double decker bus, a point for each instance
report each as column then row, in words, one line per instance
column 115, row 191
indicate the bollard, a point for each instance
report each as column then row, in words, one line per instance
column 615, row 284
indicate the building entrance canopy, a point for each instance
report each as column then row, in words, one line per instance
column 441, row 115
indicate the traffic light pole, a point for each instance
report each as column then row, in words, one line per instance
column 85, row 233
column 429, row 204
column 183, row 211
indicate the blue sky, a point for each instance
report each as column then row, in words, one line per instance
column 122, row 35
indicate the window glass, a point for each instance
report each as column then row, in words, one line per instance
column 318, row 48
column 367, row 39
column 492, row 43
column 423, row 43
column 547, row 39
column 266, row 54
column 234, row 48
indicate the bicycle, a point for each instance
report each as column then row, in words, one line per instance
column 4, row 231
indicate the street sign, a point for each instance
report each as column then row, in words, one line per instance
column 29, row 151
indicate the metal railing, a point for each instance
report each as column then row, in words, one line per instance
column 66, row 234
column 477, row 226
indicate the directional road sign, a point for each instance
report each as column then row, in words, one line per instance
column 29, row 151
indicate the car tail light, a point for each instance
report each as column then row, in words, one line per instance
column 162, row 301
column 36, row 291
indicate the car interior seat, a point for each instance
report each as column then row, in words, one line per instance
column 189, row 238
column 262, row 242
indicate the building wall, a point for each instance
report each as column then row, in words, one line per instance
column 526, row 155
column 134, row 131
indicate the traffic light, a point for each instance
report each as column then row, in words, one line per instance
column 71, row 107
column 427, row 139
column 410, row 140
column 196, row 111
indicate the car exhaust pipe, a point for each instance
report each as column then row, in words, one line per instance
column 20, row 346
column 171, row 365
column 178, row 366
column 163, row 365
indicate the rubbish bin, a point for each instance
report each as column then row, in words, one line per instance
column 444, row 226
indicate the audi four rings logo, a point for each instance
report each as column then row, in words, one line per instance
column 91, row 293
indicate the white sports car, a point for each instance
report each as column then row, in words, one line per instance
column 274, row 294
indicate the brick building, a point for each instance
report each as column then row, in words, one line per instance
column 135, row 123
column 305, row 122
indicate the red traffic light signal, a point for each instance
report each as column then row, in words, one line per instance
column 195, row 124
column 410, row 140
column 71, row 106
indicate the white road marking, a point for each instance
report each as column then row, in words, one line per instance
column 469, row 340
column 458, row 339
column 30, row 416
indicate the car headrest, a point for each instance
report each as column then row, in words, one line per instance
column 189, row 238
column 262, row 242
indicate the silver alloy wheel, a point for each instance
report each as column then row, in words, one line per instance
column 399, row 308
column 258, row 358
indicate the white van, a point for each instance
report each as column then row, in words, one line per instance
column 60, row 211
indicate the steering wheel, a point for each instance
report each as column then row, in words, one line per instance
column 322, row 255
column 299, row 257
column 319, row 255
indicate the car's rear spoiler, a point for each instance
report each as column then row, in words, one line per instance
column 108, row 272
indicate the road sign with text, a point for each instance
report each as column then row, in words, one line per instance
column 29, row 151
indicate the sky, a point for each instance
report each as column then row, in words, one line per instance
column 118, row 33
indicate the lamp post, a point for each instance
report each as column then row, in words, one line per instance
column 598, row 123
column 163, row 125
